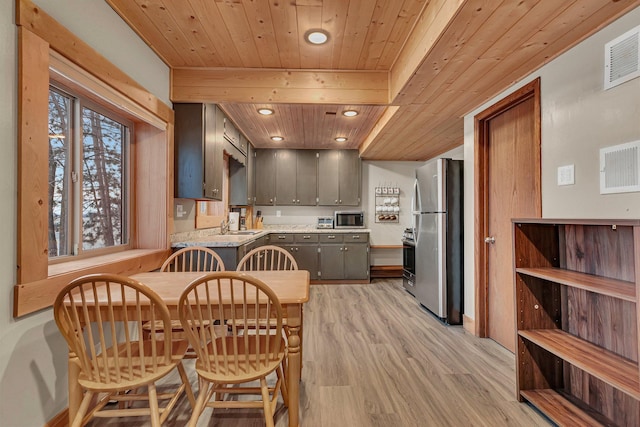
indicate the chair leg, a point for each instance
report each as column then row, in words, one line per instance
column 153, row 405
column 203, row 392
column 283, row 386
column 266, row 402
column 82, row 410
column 187, row 385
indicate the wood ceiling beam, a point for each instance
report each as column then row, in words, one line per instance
column 430, row 26
column 279, row 86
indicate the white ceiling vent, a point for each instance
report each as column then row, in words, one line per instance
column 622, row 59
column 620, row 168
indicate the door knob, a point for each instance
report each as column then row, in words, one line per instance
column 490, row 239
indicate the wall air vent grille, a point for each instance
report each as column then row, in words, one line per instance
column 622, row 59
column 620, row 168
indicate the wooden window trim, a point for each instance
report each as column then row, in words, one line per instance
column 43, row 42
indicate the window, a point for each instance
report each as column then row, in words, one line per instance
column 137, row 171
column 87, row 210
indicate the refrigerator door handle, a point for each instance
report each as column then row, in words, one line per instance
column 416, row 194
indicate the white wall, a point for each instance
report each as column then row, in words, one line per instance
column 33, row 355
column 578, row 118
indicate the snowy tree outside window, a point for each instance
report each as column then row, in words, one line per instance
column 87, row 210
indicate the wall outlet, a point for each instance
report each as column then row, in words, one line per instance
column 566, row 175
column 278, row 213
column 179, row 211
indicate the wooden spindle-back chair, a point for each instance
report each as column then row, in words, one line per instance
column 267, row 258
column 101, row 317
column 227, row 354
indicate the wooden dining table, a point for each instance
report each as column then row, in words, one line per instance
column 292, row 289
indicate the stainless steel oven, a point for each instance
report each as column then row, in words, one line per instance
column 409, row 262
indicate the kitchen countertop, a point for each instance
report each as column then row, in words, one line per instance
column 235, row 240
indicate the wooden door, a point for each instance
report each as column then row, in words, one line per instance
column 509, row 148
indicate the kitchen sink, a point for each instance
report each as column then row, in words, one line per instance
column 244, row 232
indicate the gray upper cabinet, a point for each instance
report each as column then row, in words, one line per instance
column 339, row 178
column 241, row 184
column 265, row 177
column 198, row 153
column 232, row 134
column 296, row 177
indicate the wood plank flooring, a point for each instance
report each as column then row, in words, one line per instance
column 373, row 358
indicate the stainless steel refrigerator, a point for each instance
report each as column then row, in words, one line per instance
column 437, row 219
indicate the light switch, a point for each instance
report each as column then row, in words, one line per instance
column 179, row 211
column 566, row 175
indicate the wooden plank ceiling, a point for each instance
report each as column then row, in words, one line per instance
column 430, row 61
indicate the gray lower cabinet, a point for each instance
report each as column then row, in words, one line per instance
column 344, row 256
column 339, row 178
column 232, row 255
column 326, row 256
column 356, row 261
column 305, row 250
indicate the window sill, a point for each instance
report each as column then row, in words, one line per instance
column 34, row 296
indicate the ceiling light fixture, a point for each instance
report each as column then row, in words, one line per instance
column 277, row 138
column 350, row 113
column 341, row 139
column 265, row 111
column 316, row 36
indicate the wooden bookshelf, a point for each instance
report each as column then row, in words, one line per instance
column 558, row 409
column 577, row 319
column 601, row 285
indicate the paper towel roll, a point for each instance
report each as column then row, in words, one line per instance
column 234, row 221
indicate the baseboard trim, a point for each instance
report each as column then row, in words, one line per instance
column 339, row 282
column 385, row 271
column 59, row 420
column 469, row 324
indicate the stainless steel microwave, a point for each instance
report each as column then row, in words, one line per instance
column 348, row 219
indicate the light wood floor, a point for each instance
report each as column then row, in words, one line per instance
column 373, row 358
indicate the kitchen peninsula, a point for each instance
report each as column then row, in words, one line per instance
column 328, row 254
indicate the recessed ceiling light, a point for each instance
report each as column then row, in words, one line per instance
column 341, row 139
column 265, row 111
column 277, row 138
column 316, row 36
column 350, row 113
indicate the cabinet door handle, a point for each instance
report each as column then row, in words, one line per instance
column 341, row 249
column 297, row 249
column 490, row 239
column 355, row 237
column 306, row 237
column 346, row 249
column 331, row 237
column 282, row 237
column 340, row 201
column 336, row 201
column 294, row 200
column 298, row 201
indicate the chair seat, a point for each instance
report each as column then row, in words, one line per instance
column 126, row 377
column 176, row 326
column 244, row 370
